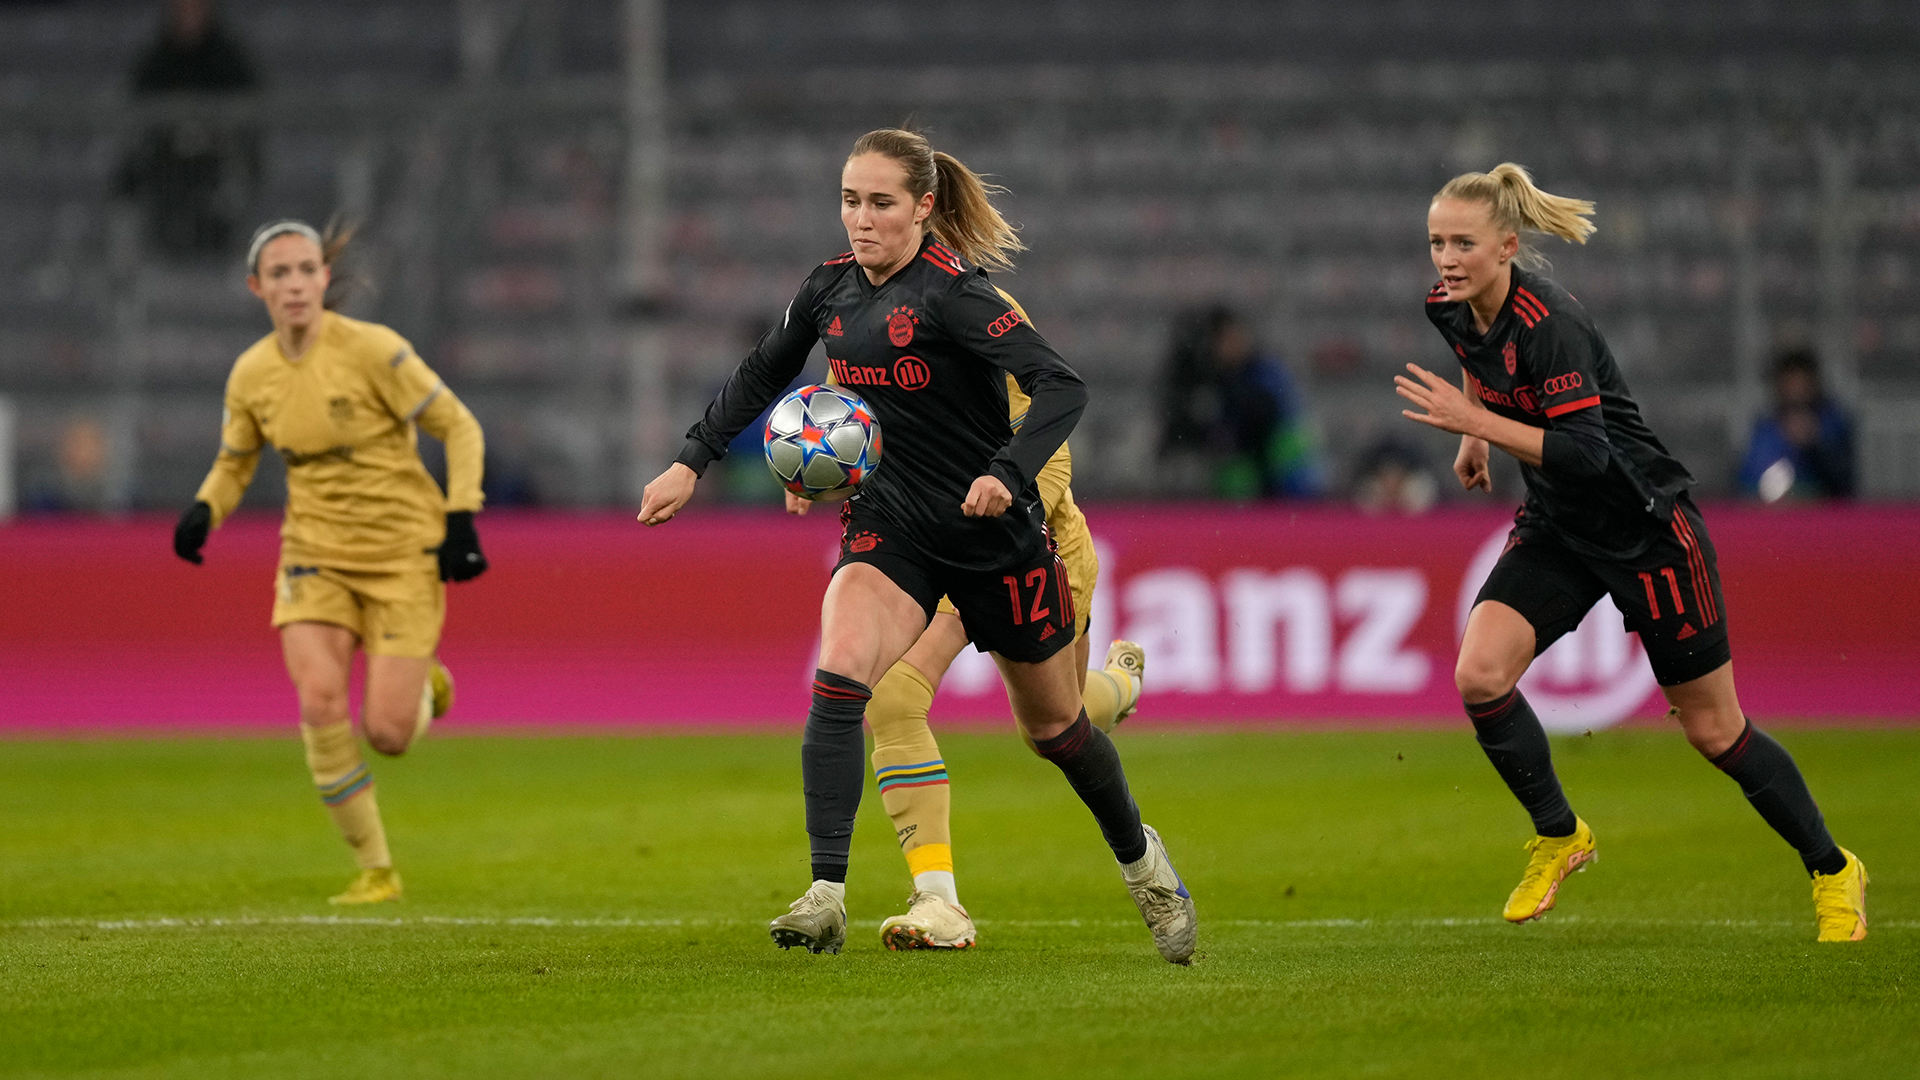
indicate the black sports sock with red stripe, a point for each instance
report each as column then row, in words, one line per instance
column 1092, row 765
column 1515, row 742
column 833, row 769
column 1773, row 784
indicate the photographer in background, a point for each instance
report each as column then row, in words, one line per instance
column 1804, row 448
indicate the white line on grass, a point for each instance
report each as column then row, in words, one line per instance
column 215, row 922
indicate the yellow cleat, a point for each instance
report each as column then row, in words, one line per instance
column 436, row 697
column 1554, row 857
column 1840, row 901
column 374, row 886
column 1132, row 659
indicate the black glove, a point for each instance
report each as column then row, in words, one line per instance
column 191, row 534
column 460, row 557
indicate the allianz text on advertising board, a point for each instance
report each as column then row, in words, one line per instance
column 1324, row 616
column 1258, row 614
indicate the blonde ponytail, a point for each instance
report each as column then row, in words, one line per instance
column 1515, row 205
column 964, row 217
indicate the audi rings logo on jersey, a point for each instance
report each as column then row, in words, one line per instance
column 1593, row 677
column 1004, row 323
column 1512, row 356
column 900, row 324
column 1560, row 384
column 911, row 373
column 1527, row 398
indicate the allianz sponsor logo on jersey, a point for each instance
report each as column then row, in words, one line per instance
column 907, row 373
column 1357, row 639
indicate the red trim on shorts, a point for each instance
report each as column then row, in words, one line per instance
column 1696, row 570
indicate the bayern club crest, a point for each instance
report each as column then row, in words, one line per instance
column 1512, row 356
column 900, row 324
column 822, row 442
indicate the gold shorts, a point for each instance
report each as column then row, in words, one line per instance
column 395, row 614
column 1077, row 554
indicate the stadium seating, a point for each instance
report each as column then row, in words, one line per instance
column 1254, row 154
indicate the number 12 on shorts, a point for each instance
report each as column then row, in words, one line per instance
column 1673, row 587
column 1037, row 582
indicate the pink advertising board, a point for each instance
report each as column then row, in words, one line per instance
column 1256, row 614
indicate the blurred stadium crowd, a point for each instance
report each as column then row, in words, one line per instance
column 1224, row 199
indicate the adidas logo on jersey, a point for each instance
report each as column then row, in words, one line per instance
column 833, row 328
column 1686, row 631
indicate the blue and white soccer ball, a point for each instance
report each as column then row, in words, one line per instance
column 822, row 442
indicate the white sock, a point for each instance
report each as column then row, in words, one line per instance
column 939, row 883
column 835, row 889
column 1139, row 870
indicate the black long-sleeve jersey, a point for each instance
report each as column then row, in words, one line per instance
column 927, row 349
column 1604, row 480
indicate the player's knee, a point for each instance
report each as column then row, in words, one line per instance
column 388, row 741
column 320, row 707
column 1709, row 730
column 1479, row 679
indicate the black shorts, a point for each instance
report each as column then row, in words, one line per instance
column 1669, row 593
column 1023, row 611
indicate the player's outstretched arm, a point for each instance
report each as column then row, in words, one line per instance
column 1448, row 409
column 668, row 492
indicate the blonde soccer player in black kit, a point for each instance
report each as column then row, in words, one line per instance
column 368, row 541
column 1606, row 514
column 912, row 324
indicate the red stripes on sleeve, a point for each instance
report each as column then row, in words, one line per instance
column 1566, row 407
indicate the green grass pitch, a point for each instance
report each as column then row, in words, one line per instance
column 596, row 907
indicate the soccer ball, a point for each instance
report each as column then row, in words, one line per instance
column 821, row 442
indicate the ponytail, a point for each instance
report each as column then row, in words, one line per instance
column 964, row 217
column 1515, row 205
column 333, row 247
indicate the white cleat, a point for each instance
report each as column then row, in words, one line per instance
column 1164, row 902
column 930, row 923
column 817, row 922
column 1132, row 659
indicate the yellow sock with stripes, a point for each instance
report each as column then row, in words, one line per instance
column 346, row 787
column 913, row 777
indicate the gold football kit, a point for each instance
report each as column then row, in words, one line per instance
column 364, row 518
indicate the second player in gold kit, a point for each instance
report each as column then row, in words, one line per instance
column 368, row 540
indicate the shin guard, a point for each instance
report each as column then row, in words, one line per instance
column 1092, row 765
column 832, row 770
column 1516, row 744
column 346, row 787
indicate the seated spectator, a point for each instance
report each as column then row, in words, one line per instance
column 193, row 178
column 1234, row 405
column 1804, row 447
column 1394, row 477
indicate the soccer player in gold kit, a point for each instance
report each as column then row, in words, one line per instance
column 907, row 763
column 368, row 541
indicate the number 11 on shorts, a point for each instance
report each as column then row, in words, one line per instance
column 1673, row 586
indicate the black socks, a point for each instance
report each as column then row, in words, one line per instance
column 1085, row 754
column 1515, row 742
column 1773, row 784
column 833, row 769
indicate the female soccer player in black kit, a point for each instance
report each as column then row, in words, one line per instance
column 1606, row 514
column 912, row 324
